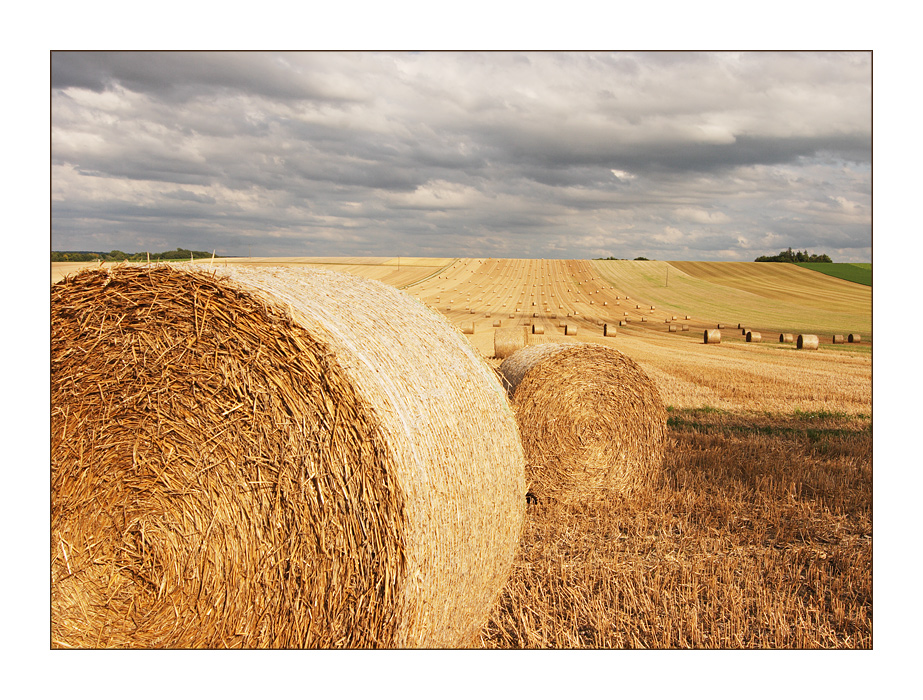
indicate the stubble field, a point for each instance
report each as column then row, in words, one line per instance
column 759, row 533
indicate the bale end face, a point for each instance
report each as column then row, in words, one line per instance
column 591, row 420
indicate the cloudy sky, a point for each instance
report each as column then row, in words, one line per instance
column 667, row 155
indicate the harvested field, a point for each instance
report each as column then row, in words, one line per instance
column 758, row 532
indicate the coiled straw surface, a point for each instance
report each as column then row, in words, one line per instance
column 260, row 458
column 590, row 418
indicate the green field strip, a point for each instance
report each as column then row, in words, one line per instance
column 860, row 273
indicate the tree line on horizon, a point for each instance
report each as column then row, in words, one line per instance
column 793, row 256
column 119, row 256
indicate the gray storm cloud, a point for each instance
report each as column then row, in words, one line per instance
column 551, row 154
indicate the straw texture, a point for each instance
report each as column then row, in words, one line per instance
column 589, row 416
column 260, row 458
column 509, row 340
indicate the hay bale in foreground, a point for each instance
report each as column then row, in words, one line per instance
column 808, row 342
column 509, row 340
column 258, row 458
column 786, row 338
column 712, row 337
column 589, row 416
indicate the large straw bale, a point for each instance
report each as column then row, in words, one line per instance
column 712, row 337
column 754, row 337
column 855, row 338
column 590, row 418
column 838, row 339
column 509, row 340
column 261, row 458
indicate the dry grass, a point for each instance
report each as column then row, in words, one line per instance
column 759, row 535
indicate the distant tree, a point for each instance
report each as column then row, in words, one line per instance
column 640, row 258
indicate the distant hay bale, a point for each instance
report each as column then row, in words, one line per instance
column 808, row 342
column 685, row 327
column 672, row 328
column 497, row 323
column 753, row 337
column 623, row 322
column 590, row 418
column 261, row 458
column 838, row 339
column 467, row 328
column 712, row 337
column 538, row 330
column 609, row 331
column 643, row 319
column 509, row 340
column 487, row 314
column 570, row 330
column 512, row 315
column 855, row 338
column 786, row 338
column 720, row 326
column 744, row 331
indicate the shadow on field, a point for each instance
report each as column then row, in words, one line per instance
column 758, row 535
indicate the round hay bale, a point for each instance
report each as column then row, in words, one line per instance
column 808, row 342
column 712, row 337
column 753, row 337
column 786, row 338
column 855, row 338
column 643, row 319
column 672, row 328
column 497, row 323
column 623, row 323
column 570, row 330
column 256, row 458
column 512, row 315
column 609, row 331
column 838, row 339
column 538, row 330
column 685, row 327
column 509, row 340
column 720, row 326
column 467, row 328
column 589, row 416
